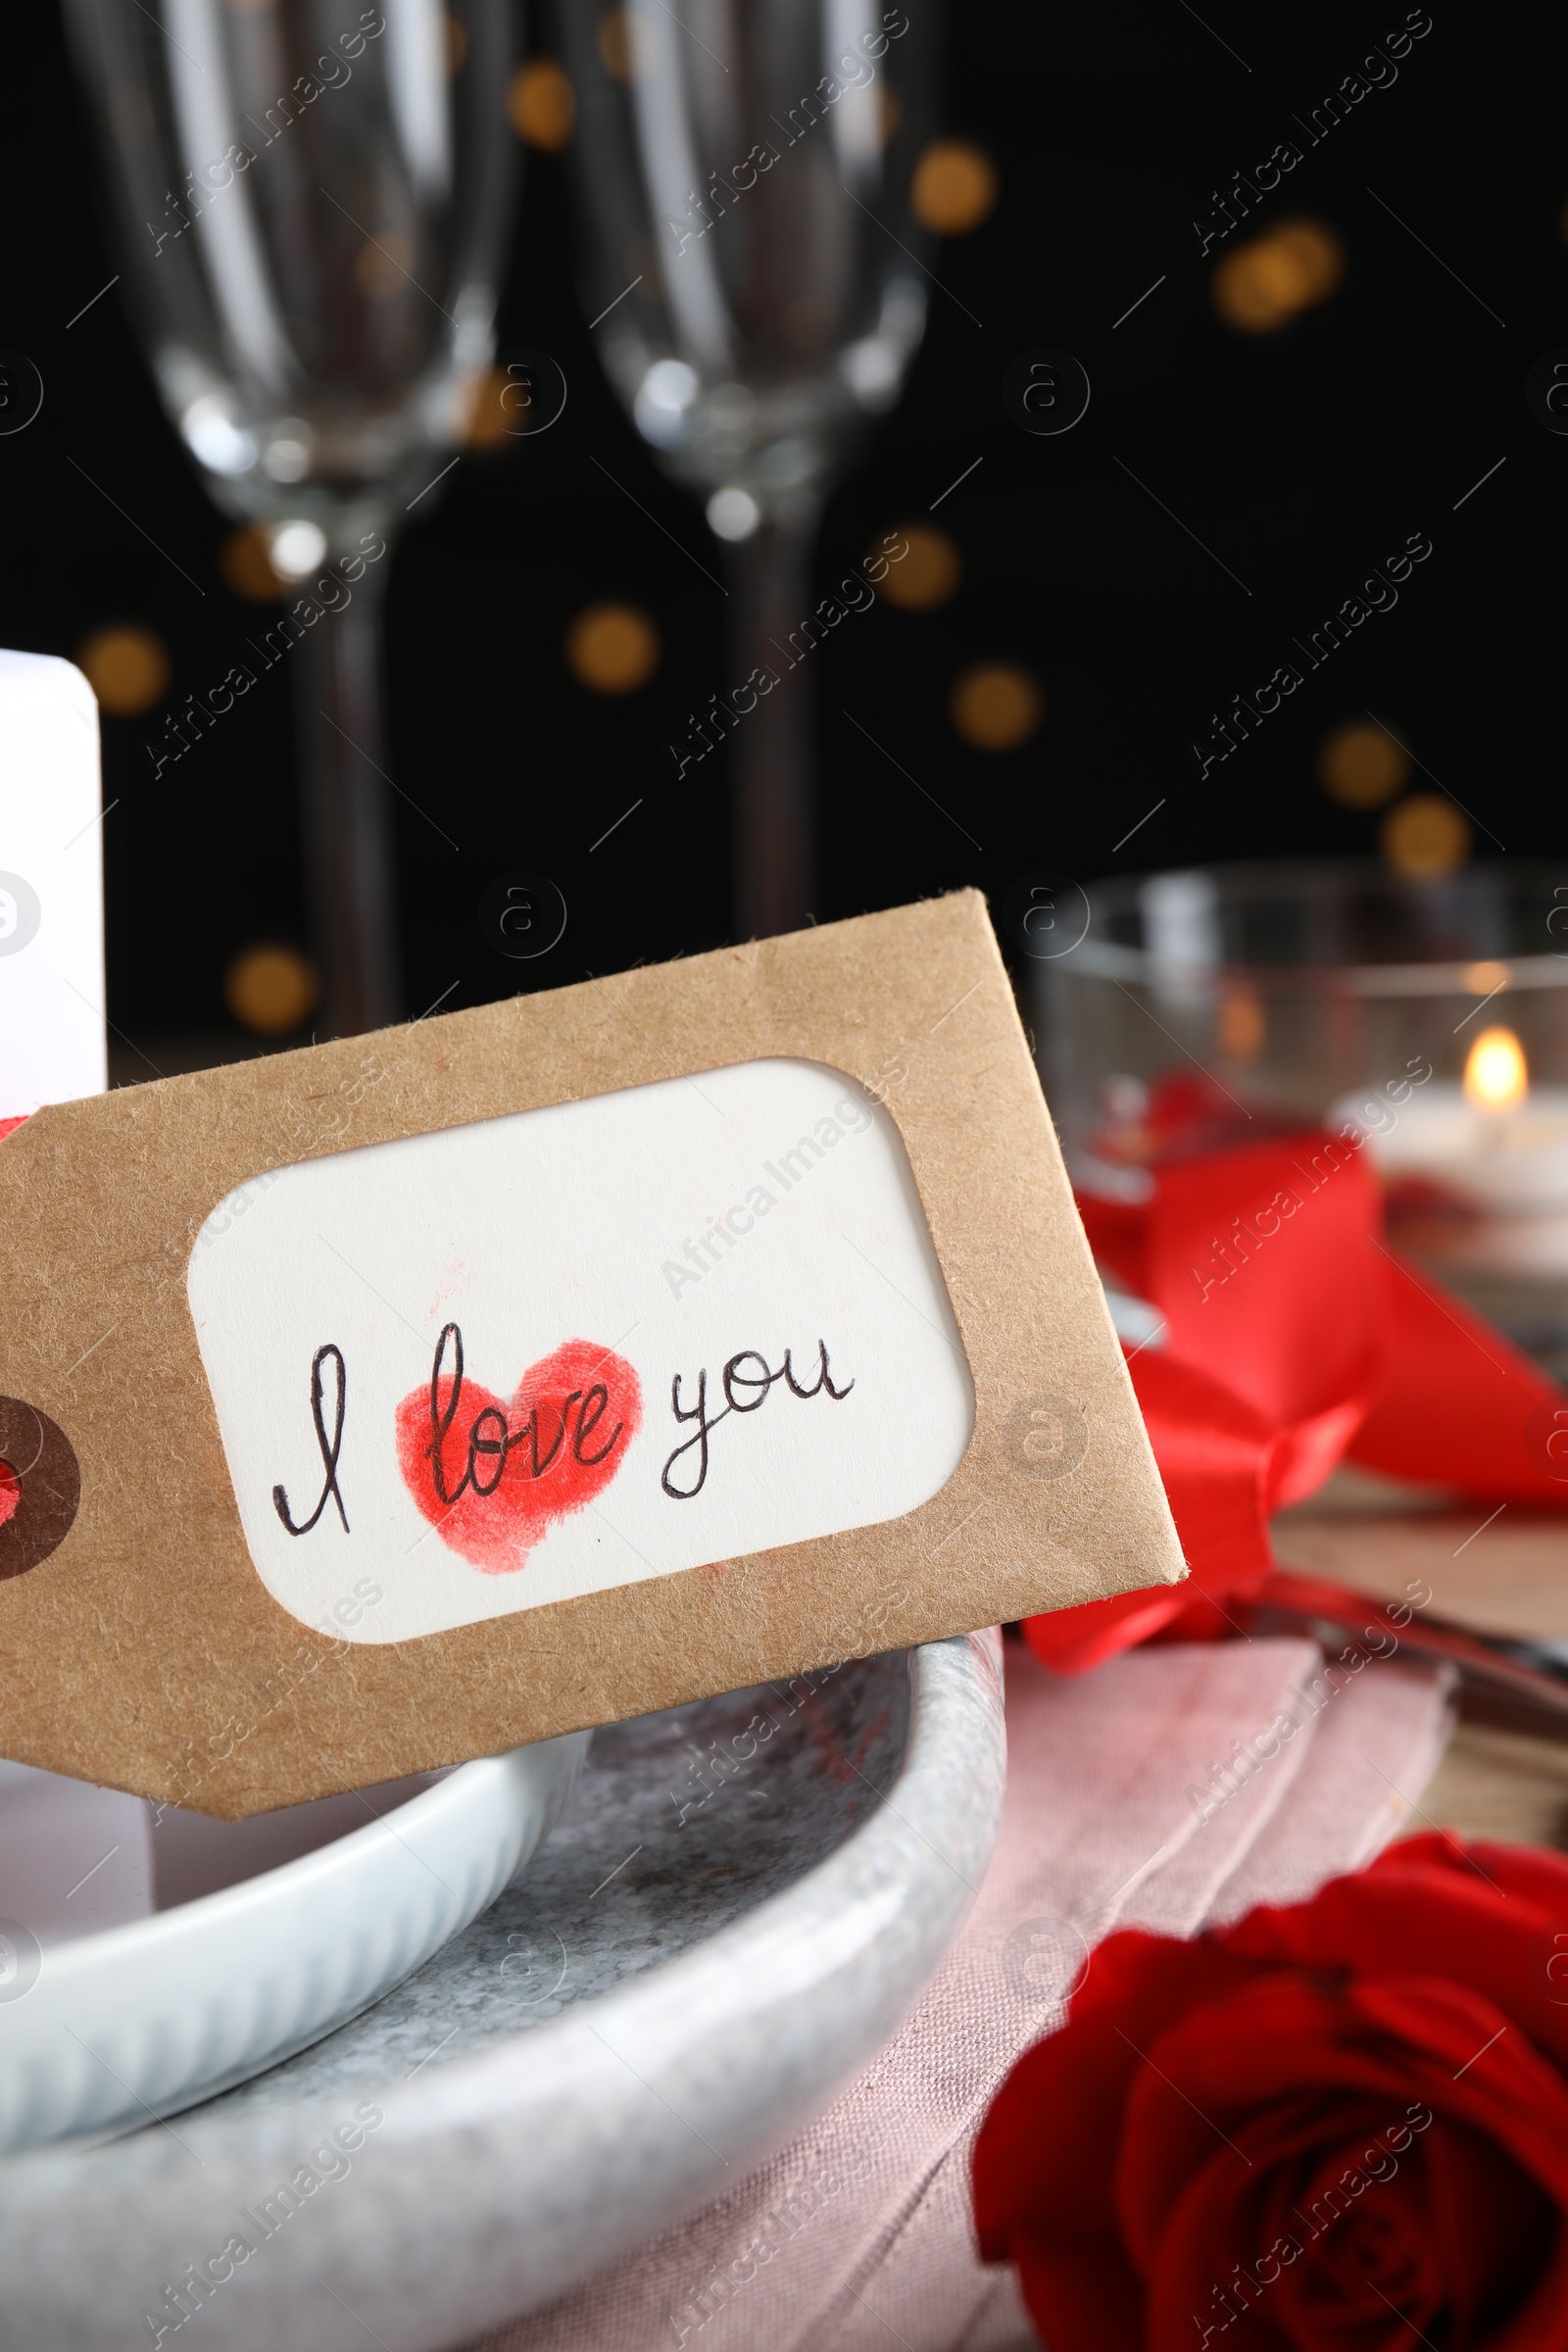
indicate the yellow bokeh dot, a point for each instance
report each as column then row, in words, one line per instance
column 541, row 104
column 954, row 187
column 457, row 43
column 613, row 649
column 927, row 575
column 1265, row 282
column 1360, row 767
column 1243, row 1022
column 1424, row 838
column 247, row 567
column 1314, row 252
column 126, row 668
column 489, row 423
column 384, row 265
column 996, row 707
column 270, row 989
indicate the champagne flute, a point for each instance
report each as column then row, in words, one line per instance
column 745, row 170
column 312, row 198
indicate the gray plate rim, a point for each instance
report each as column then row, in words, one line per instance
column 493, row 2184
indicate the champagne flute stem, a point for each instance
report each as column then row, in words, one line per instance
column 349, row 865
column 772, row 762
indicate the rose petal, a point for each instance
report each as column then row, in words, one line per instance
column 1431, row 1916
column 1204, row 2099
column 1081, row 2298
column 1042, row 2164
column 1265, row 2068
column 1262, row 2067
column 1534, row 1871
column 1137, row 1986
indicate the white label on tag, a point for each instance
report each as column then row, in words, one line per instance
column 475, row 1371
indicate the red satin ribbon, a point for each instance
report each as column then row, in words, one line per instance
column 1293, row 1337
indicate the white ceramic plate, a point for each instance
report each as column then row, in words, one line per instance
column 721, row 1933
column 147, row 1962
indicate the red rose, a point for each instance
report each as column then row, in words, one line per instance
column 1339, row 2124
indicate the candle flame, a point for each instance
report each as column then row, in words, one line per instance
column 1495, row 1076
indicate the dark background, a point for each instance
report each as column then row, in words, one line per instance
column 1299, row 459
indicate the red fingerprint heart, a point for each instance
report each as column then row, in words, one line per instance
column 494, row 1477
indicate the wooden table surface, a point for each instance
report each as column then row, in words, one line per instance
column 1506, row 1573
column 1494, row 1783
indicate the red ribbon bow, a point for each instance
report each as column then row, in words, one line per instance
column 1293, row 1336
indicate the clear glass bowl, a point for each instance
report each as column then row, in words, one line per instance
column 1218, row 1005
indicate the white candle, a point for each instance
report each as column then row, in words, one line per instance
column 51, row 886
column 1491, row 1148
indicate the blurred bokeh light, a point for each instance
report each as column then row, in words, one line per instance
column 489, row 423
column 954, row 187
column 995, row 706
column 1361, row 765
column 245, row 564
column 541, row 104
column 1425, row 838
column 1263, row 284
column 127, row 669
column 613, row 649
column 1243, row 1024
column 295, row 547
column 928, row 576
column 271, row 988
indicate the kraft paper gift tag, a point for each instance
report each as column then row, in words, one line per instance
column 392, row 1403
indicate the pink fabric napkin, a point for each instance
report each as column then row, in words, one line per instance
column 1126, row 1806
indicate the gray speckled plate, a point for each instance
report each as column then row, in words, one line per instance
column 740, row 1901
